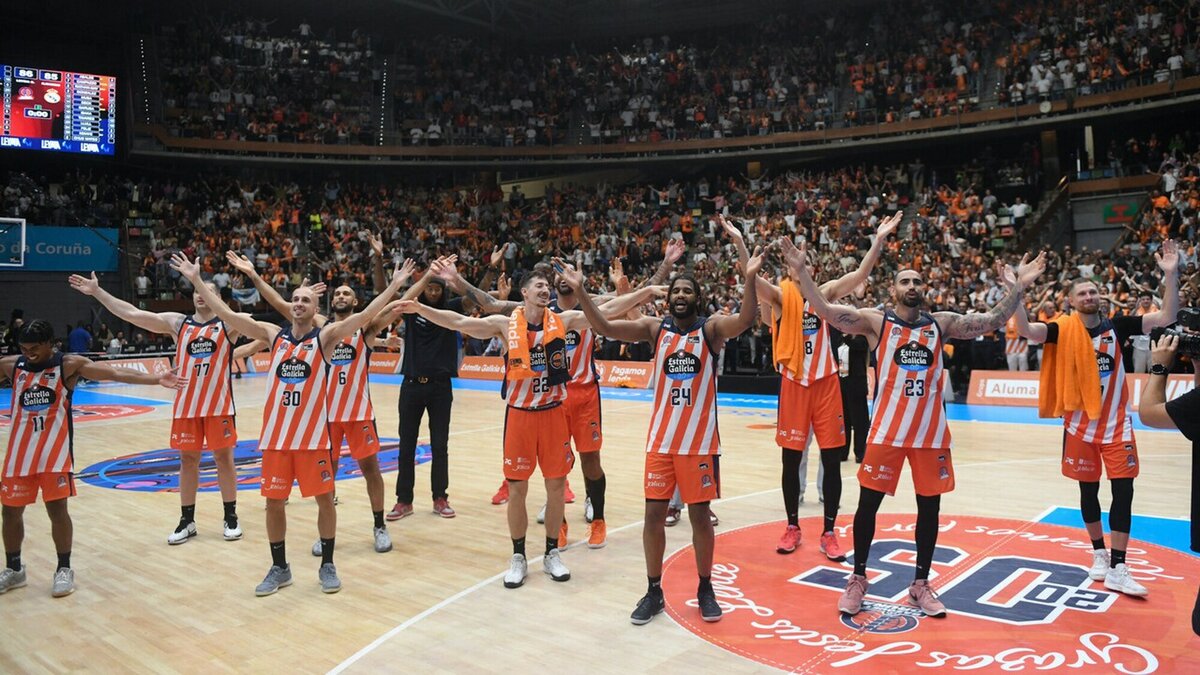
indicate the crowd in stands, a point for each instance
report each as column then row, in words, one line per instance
column 260, row 80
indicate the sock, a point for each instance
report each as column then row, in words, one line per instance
column 1118, row 557
column 231, row 513
column 832, row 485
column 279, row 554
column 864, row 527
column 187, row 513
column 64, row 559
column 655, row 587
column 326, row 550
column 790, row 482
column 378, row 518
column 595, row 492
column 519, row 546
column 14, row 560
column 705, row 585
column 926, row 534
column 551, row 544
column 1098, row 544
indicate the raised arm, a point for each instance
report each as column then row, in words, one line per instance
column 843, row 286
column 623, row 304
column 1168, row 262
column 242, row 264
column 75, row 366
column 644, row 329
column 416, row 289
column 674, row 252
column 472, row 296
column 847, row 319
column 249, row 349
column 726, row 327
column 378, row 276
column 340, row 330
column 971, row 326
column 166, row 323
column 242, row 323
column 483, row 328
column 739, row 241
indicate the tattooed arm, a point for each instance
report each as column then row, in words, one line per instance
column 472, row 295
column 970, row 326
column 865, row 322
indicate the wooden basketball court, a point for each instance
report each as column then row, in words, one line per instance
column 436, row 603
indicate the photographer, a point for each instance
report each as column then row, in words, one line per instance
column 1182, row 413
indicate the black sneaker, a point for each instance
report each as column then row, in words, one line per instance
column 647, row 607
column 710, row 611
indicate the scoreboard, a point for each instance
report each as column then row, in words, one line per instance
column 58, row 110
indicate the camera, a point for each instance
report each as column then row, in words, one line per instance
column 1188, row 331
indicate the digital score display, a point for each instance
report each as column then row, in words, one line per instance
column 58, row 110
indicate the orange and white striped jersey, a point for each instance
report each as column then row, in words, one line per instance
column 819, row 360
column 1013, row 342
column 581, row 349
column 684, row 420
column 349, row 395
column 41, row 431
column 203, row 354
column 1114, row 423
column 533, row 393
column 909, row 411
column 295, row 416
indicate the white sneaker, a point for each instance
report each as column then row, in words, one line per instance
column 542, row 514
column 316, row 549
column 233, row 533
column 383, row 540
column 1100, row 564
column 64, row 582
column 589, row 514
column 1119, row 580
column 552, row 564
column 517, row 570
column 182, row 534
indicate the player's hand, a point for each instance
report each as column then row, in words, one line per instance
column 409, row 306
column 1029, row 270
column 567, row 272
column 240, row 262
column 734, row 232
column 796, row 258
column 674, row 252
column 496, row 257
column 189, row 269
column 171, row 379
column 504, row 287
column 318, row 288
column 754, row 264
column 403, row 272
column 86, row 285
column 889, row 225
column 1168, row 257
column 446, row 271
column 395, row 342
column 376, row 244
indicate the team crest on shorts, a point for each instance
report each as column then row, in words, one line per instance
column 706, row 481
column 325, row 476
column 62, row 481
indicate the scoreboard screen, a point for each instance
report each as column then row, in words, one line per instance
column 58, row 110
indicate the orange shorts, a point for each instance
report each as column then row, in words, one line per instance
column 533, row 437
column 583, row 416
column 817, row 407
column 195, row 434
column 360, row 436
column 1081, row 460
column 932, row 469
column 698, row 477
column 23, row 490
column 315, row 470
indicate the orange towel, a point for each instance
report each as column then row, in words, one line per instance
column 1073, row 382
column 787, row 340
column 519, row 364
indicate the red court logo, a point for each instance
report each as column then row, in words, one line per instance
column 93, row 413
column 1017, row 594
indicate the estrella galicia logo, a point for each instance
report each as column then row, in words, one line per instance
column 573, row 339
column 37, row 399
column 681, row 366
column 812, row 323
column 1105, row 363
column 158, row 470
column 343, row 354
column 293, row 371
column 537, row 359
column 913, row 357
column 884, row 618
column 201, row 348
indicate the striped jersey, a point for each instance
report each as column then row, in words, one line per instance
column 684, row 417
column 295, row 416
column 581, row 348
column 41, row 431
column 533, row 393
column 909, row 411
column 1013, row 342
column 819, row 360
column 349, row 395
column 203, row 354
column 1114, row 423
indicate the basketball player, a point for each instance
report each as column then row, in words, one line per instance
column 1105, row 443
column 536, row 433
column 910, row 420
column 810, row 394
column 295, row 439
column 351, row 415
column 203, row 413
column 582, row 404
column 683, row 445
column 40, row 443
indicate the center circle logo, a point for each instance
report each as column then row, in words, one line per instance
column 1018, row 599
column 158, row 470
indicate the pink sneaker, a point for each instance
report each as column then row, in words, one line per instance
column 789, row 541
column 922, row 595
column 568, row 495
column 852, row 598
column 829, row 546
column 400, row 510
column 501, row 496
column 442, row 508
